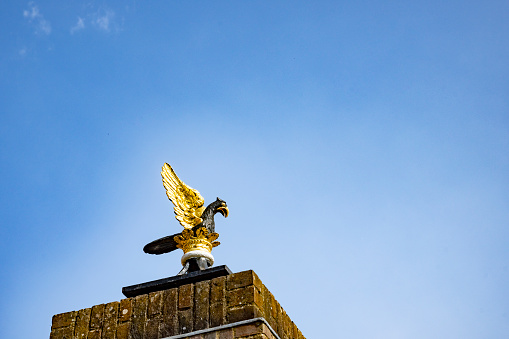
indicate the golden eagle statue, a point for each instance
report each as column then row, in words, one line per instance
column 198, row 237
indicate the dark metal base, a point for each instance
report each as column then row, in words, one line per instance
column 176, row 281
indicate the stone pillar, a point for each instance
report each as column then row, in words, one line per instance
column 233, row 306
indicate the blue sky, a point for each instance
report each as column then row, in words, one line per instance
column 362, row 148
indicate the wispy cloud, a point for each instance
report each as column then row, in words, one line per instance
column 34, row 16
column 80, row 24
column 104, row 19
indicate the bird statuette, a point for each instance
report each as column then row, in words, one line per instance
column 198, row 237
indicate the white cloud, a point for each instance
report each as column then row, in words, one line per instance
column 104, row 19
column 45, row 26
column 80, row 24
column 33, row 15
column 22, row 52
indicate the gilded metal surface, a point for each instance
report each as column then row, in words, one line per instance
column 202, row 240
column 198, row 237
column 188, row 201
column 224, row 210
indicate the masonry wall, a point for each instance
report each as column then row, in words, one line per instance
column 211, row 304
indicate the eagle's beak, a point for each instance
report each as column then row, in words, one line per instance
column 223, row 210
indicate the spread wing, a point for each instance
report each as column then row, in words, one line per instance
column 188, row 202
column 163, row 245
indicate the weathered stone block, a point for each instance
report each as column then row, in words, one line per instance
column 244, row 296
column 94, row 334
column 243, row 279
column 169, row 321
column 273, row 306
column 155, row 303
column 284, row 320
column 297, row 334
column 217, row 289
column 168, row 327
column 280, row 321
column 82, row 323
column 97, row 317
column 110, row 320
column 201, row 305
column 249, row 329
column 217, row 314
column 152, row 328
column 186, row 320
column 61, row 333
column 267, row 307
column 269, row 334
column 289, row 326
column 123, row 330
column 140, row 305
column 170, row 301
column 243, row 313
column 109, row 334
column 225, row 334
column 63, row 319
column 125, row 310
column 186, row 295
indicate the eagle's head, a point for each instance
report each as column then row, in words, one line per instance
column 208, row 215
column 220, row 206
